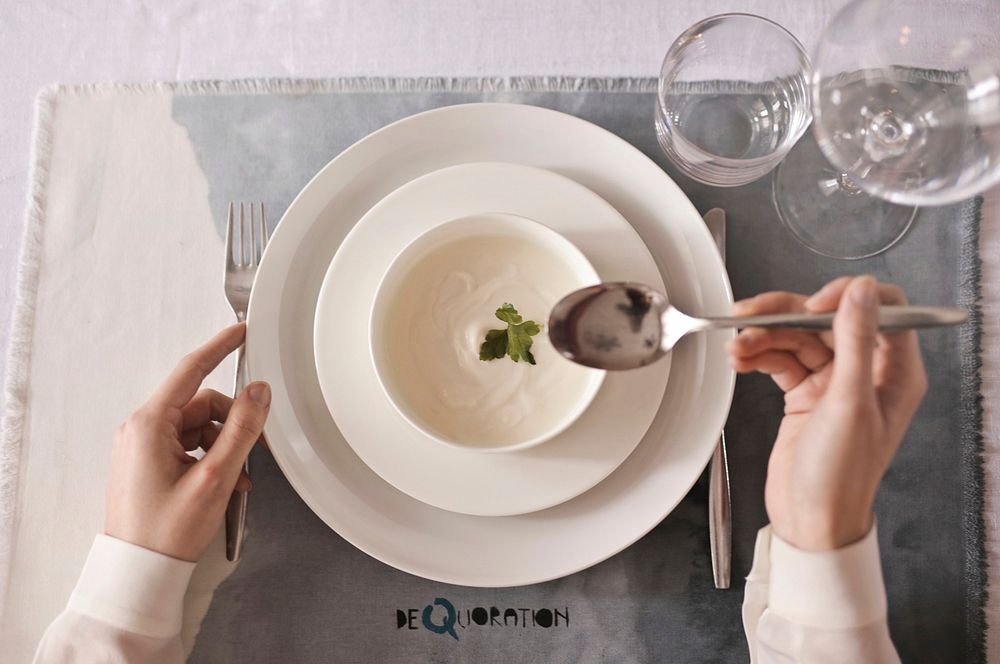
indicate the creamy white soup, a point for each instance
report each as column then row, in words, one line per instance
column 438, row 320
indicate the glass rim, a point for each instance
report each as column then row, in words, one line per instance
column 687, row 32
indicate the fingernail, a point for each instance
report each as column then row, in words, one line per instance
column 863, row 292
column 260, row 393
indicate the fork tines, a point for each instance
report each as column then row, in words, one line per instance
column 237, row 254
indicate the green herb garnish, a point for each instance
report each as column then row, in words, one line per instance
column 514, row 341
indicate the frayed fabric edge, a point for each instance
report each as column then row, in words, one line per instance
column 369, row 84
column 971, row 434
column 21, row 334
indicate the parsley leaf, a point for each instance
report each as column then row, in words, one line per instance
column 514, row 341
column 508, row 314
column 495, row 345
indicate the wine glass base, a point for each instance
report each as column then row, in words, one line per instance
column 829, row 214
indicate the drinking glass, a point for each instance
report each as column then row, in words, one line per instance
column 906, row 111
column 733, row 98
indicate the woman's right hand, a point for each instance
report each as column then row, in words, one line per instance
column 849, row 398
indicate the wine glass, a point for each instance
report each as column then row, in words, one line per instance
column 906, row 109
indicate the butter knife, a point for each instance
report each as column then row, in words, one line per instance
column 720, row 517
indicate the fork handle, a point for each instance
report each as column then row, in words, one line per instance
column 236, row 510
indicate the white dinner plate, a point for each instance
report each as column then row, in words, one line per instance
column 467, row 481
column 391, row 525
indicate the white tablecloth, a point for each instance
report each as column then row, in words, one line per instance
column 86, row 40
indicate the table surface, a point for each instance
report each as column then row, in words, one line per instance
column 86, row 40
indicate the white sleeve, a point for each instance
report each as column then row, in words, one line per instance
column 126, row 607
column 816, row 606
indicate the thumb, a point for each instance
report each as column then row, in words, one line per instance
column 241, row 430
column 854, row 328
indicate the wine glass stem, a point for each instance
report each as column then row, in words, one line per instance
column 847, row 185
column 842, row 184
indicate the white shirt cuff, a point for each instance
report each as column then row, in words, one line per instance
column 132, row 588
column 839, row 589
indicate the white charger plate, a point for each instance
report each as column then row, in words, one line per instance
column 464, row 481
column 407, row 533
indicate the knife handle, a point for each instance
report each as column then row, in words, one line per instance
column 720, row 517
column 720, row 524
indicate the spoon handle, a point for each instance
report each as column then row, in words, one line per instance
column 890, row 318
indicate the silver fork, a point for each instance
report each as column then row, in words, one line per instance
column 240, row 274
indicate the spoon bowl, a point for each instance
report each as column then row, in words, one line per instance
column 613, row 326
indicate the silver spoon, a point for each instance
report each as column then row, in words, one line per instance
column 626, row 325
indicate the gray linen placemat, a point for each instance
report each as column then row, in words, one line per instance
column 302, row 594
